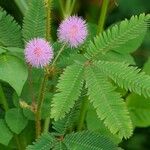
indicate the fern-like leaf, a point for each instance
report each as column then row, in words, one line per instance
column 45, row 142
column 10, row 31
column 127, row 77
column 69, row 88
column 60, row 146
column 117, row 57
column 88, row 141
column 108, row 104
column 62, row 125
column 118, row 36
column 35, row 20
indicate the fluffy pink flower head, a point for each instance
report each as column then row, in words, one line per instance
column 73, row 31
column 38, row 53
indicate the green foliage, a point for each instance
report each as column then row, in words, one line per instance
column 34, row 20
column 127, row 77
column 139, row 108
column 10, row 31
column 94, row 124
column 69, row 88
column 45, row 142
column 13, row 71
column 60, row 146
column 88, row 141
column 2, row 50
column 119, row 37
column 15, row 51
column 6, row 134
column 15, row 120
column 146, row 67
column 61, row 126
column 87, row 73
column 117, row 57
column 108, row 104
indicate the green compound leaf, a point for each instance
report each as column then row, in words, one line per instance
column 123, row 38
column 88, row 141
column 10, row 31
column 61, row 126
column 34, row 20
column 15, row 120
column 13, row 71
column 117, row 57
column 127, row 77
column 108, row 104
column 45, row 142
column 5, row 134
column 60, row 146
column 69, row 89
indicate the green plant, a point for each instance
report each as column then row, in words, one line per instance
column 78, row 80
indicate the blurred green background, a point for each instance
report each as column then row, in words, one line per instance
column 90, row 9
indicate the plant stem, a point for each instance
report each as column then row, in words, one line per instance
column 48, row 19
column 72, row 6
column 60, row 51
column 82, row 113
column 67, row 8
column 46, row 125
column 62, row 7
column 31, row 84
column 47, row 121
column 3, row 99
column 18, row 142
column 40, row 103
column 103, row 14
column 43, row 86
column 22, row 5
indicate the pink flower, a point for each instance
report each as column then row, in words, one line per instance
column 38, row 53
column 73, row 31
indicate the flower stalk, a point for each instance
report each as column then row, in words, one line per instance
column 103, row 15
column 57, row 56
column 67, row 8
column 48, row 6
column 39, row 106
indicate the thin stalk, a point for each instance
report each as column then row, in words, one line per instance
column 60, row 51
column 19, row 146
column 72, row 6
column 83, row 111
column 47, row 121
column 62, row 7
column 3, row 99
column 39, row 106
column 67, row 8
column 22, row 5
column 48, row 37
column 48, row 19
column 31, row 85
column 46, row 125
column 103, row 14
